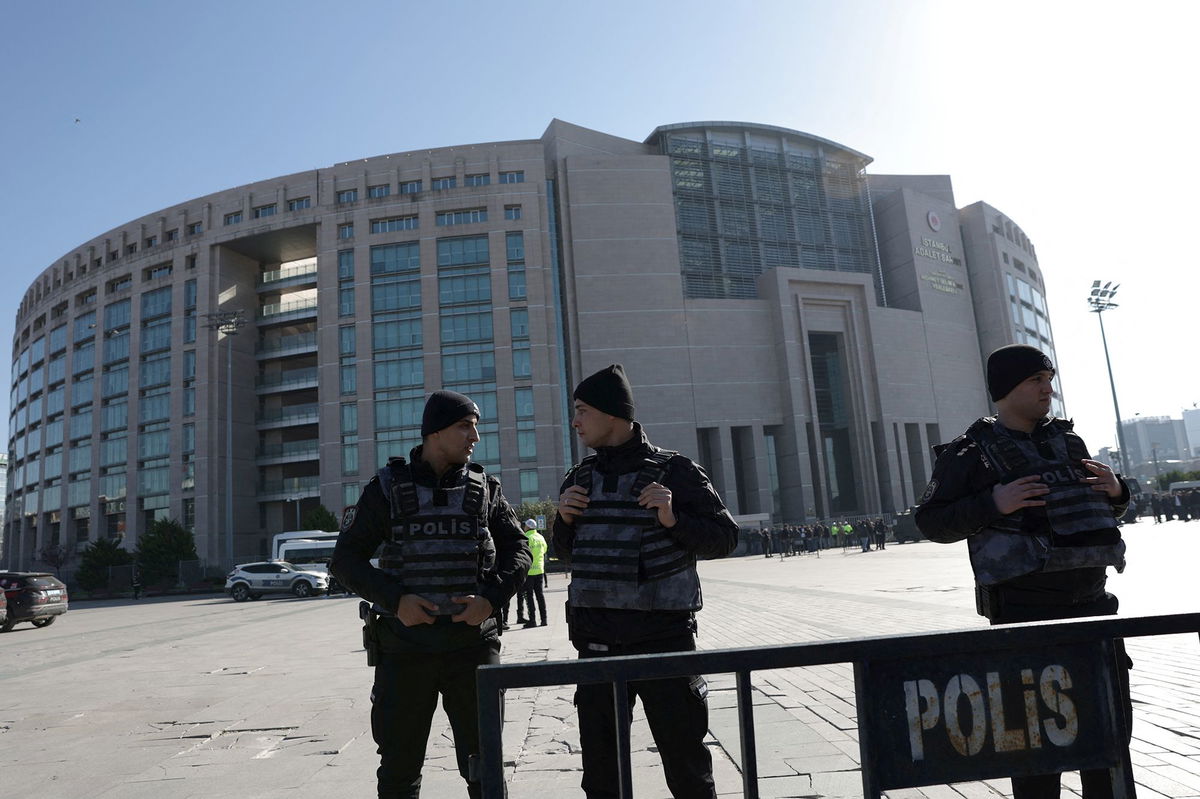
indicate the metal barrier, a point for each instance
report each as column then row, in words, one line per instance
column 915, row 694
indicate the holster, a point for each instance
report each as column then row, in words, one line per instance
column 370, row 632
column 987, row 601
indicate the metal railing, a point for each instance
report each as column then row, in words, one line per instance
column 283, row 343
column 886, row 721
column 300, row 486
column 276, row 275
column 292, row 413
column 283, row 308
column 290, row 449
column 292, row 377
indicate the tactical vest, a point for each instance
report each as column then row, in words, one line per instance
column 1075, row 512
column 436, row 550
column 623, row 559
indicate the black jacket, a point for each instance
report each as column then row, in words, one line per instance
column 367, row 524
column 958, row 503
column 703, row 527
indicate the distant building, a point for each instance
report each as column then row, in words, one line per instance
column 1191, row 427
column 806, row 330
column 1148, row 438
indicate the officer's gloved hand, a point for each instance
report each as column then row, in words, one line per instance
column 414, row 610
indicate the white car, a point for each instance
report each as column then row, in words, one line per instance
column 252, row 580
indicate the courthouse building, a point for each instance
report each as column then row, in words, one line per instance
column 804, row 329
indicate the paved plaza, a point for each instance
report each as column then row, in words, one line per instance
column 202, row 697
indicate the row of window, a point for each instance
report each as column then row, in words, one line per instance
column 394, row 224
column 381, row 190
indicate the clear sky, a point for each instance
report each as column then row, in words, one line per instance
column 1074, row 119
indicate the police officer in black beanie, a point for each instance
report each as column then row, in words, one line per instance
column 1039, row 515
column 452, row 553
column 634, row 518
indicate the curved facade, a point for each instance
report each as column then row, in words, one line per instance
column 743, row 274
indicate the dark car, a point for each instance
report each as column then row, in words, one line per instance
column 906, row 528
column 35, row 597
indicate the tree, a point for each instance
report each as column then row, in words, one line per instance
column 320, row 518
column 95, row 561
column 1175, row 476
column 161, row 547
column 56, row 556
column 538, row 507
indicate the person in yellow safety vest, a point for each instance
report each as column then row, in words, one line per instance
column 537, row 574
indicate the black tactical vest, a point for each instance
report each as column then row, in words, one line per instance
column 437, row 550
column 1079, row 518
column 622, row 558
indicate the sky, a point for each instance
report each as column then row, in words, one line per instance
column 1073, row 119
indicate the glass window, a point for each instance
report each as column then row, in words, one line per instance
column 396, row 296
column 114, row 451
column 439, row 184
column 345, row 264
column 347, row 342
column 375, row 192
column 479, row 180
column 195, row 228
column 464, row 217
column 85, row 326
column 410, row 187
column 464, row 327
column 395, row 258
column 512, row 177
column 265, row 211
column 349, row 378
column 516, row 284
column 347, row 196
column 397, row 334
column 395, row 223
column 393, row 414
column 529, row 485
column 156, row 335
column 527, row 444
column 524, row 397
column 514, row 246
column 520, row 322
column 156, row 303
column 522, row 364
column 399, row 373
column 512, row 212
column 349, row 459
column 469, row 367
column 299, row 204
column 233, row 218
column 84, row 360
column 79, row 458
column 189, row 293
column 345, row 231
column 116, row 347
column 462, row 251
column 117, row 314
column 115, row 382
column 154, row 407
column 58, row 339
column 155, row 371
column 346, row 302
column 114, row 416
column 349, row 418
column 189, row 438
column 456, row 289
column 189, row 365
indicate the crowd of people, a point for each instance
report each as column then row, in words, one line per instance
column 1182, row 505
column 800, row 539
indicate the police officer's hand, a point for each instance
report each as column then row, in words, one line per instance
column 658, row 496
column 415, row 610
column 477, row 608
column 572, row 503
column 1103, row 478
column 1020, row 493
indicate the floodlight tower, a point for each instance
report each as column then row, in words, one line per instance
column 1101, row 300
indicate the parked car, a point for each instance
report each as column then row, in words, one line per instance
column 252, row 580
column 35, row 597
column 906, row 528
column 3, row 607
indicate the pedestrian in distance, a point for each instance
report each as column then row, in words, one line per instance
column 1039, row 516
column 537, row 574
column 635, row 519
column 452, row 554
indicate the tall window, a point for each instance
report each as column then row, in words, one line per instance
column 515, row 254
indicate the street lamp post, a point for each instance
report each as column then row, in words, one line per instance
column 297, row 501
column 1100, row 299
column 227, row 322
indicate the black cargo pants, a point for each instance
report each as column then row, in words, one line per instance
column 405, row 694
column 677, row 711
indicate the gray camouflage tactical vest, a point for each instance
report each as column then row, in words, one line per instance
column 437, row 551
column 622, row 558
column 1074, row 511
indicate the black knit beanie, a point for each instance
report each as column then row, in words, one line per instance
column 1008, row 366
column 444, row 408
column 608, row 391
